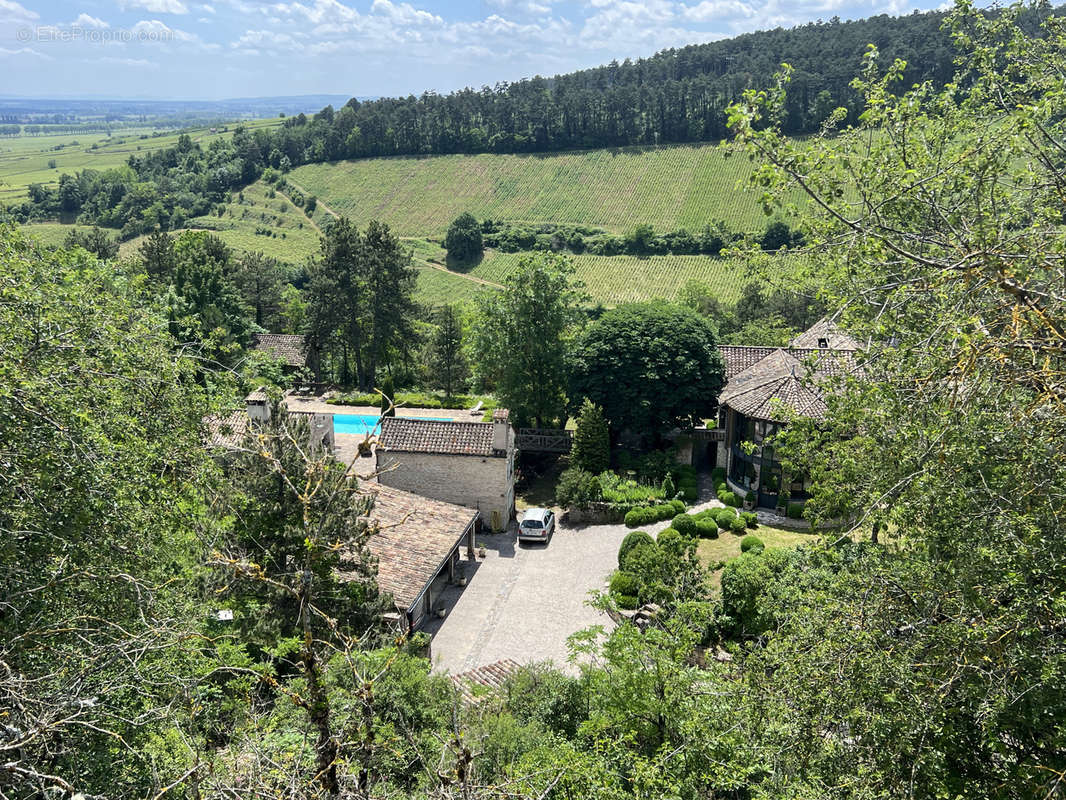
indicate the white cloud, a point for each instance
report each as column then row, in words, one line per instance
column 141, row 63
column 157, row 31
column 25, row 51
column 207, row 8
column 10, row 10
column 87, row 21
column 156, row 6
column 717, row 11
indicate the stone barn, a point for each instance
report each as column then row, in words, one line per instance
column 467, row 463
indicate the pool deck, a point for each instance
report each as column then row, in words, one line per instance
column 321, row 407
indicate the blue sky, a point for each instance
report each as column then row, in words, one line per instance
column 216, row 49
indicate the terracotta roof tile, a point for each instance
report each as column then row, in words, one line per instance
column 825, row 334
column 415, row 536
column 775, row 385
column 410, row 435
column 226, row 430
column 285, row 346
column 491, row 676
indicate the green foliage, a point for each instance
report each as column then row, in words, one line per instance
column 591, row 448
column 748, row 586
column 668, row 486
column 447, row 355
column 624, row 583
column 463, row 241
column 650, row 366
column 646, row 515
column 751, row 543
column 95, row 241
column 520, row 338
column 738, row 525
column 630, row 541
column 576, row 488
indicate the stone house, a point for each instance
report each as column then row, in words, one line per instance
column 765, row 387
column 467, row 463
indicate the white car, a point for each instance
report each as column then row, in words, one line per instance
column 537, row 525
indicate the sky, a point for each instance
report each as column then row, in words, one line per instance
column 215, row 49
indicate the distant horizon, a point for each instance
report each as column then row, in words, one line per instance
column 159, row 50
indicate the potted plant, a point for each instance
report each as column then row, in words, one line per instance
column 749, row 501
column 481, row 549
column 782, row 504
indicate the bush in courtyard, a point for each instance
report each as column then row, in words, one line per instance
column 684, row 524
column 749, row 497
column 751, row 542
column 623, row 583
column 738, row 525
column 689, row 492
column 724, row 517
column 677, row 505
column 750, row 518
column 591, row 449
column 668, row 487
column 670, row 540
column 632, row 540
column 576, row 488
column 627, row 602
column 729, row 498
column 707, row 528
column 795, row 509
column 718, row 475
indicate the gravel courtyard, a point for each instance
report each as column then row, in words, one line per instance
column 522, row 601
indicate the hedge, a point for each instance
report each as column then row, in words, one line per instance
column 707, row 529
column 724, row 517
column 646, row 515
column 623, row 583
column 751, row 542
column 627, row 602
column 751, row 518
column 738, row 525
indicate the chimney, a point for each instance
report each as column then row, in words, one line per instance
column 501, row 429
column 258, row 406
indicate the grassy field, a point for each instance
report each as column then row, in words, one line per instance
column 727, row 546
column 24, row 159
column 612, row 280
column 54, row 234
column 669, row 187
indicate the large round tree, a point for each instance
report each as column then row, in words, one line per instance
column 650, row 366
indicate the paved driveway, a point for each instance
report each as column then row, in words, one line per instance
column 523, row 600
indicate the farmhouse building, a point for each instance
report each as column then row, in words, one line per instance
column 417, row 542
column 765, row 387
column 290, row 349
column 467, row 463
column 228, row 431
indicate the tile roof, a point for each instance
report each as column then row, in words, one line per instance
column 226, row 430
column 490, row 676
column 415, row 536
column 285, row 346
column 827, row 331
column 775, row 383
column 738, row 358
column 410, row 435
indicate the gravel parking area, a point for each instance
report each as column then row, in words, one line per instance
column 522, row 601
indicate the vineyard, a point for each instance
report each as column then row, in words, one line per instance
column 668, row 187
column 612, row 280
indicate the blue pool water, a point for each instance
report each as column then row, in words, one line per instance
column 367, row 423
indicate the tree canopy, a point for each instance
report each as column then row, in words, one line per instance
column 650, row 366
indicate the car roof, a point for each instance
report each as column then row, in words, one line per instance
column 535, row 513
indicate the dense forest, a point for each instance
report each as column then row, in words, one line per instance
column 675, row 96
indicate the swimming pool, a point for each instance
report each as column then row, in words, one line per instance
column 367, row 423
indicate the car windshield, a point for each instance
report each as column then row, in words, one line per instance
column 532, row 523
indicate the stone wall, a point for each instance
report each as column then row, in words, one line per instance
column 482, row 482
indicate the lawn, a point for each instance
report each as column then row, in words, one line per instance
column 669, row 187
column 727, row 546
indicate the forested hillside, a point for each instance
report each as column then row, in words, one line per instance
column 673, row 97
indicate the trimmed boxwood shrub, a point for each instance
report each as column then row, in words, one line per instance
column 751, row 542
column 738, row 525
column 707, row 529
column 635, row 517
column 623, row 583
column 645, row 515
column 795, row 509
column 627, row 602
column 632, row 540
column 750, row 518
column 685, row 524
column 670, row 539
column 690, row 492
column 724, row 517
column 718, row 475
column 729, row 498
column 678, row 505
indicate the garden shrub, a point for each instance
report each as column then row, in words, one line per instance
column 729, row 498
column 623, row 582
column 738, row 525
column 632, row 540
column 751, row 542
column 795, row 509
column 670, row 539
column 718, row 475
column 690, row 492
column 724, row 517
column 677, row 505
column 627, row 602
column 642, row 561
column 685, row 524
column 668, row 487
column 635, row 517
column 707, row 529
column 750, row 518
column 576, row 488
column 749, row 497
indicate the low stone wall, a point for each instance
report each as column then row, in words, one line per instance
column 594, row 514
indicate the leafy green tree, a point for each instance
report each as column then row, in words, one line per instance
column 95, row 241
column 938, row 229
column 157, row 255
column 260, row 279
column 650, row 366
column 464, row 241
column 292, row 310
column 361, row 299
column 591, row 449
column 99, row 495
column 522, row 334
column 447, row 354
